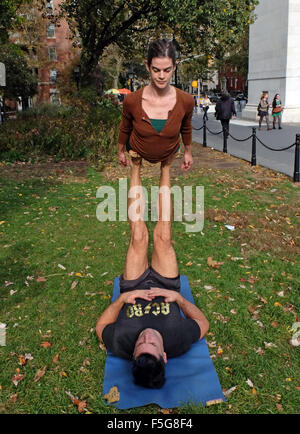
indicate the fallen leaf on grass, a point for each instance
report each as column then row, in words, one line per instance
column 41, row 279
column 270, row 345
column 113, row 395
column 213, row 402
column 249, row 382
column 45, row 344
column 212, row 263
column 40, row 373
column 74, row 284
column 13, row 398
column 166, row 411
column 55, row 358
column 61, row 267
column 17, row 378
column 279, row 407
column 228, row 392
column 81, row 405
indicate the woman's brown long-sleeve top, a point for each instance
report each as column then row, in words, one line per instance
column 136, row 127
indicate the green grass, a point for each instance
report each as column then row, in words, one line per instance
column 46, row 224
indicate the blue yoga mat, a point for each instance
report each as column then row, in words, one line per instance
column 190, row 378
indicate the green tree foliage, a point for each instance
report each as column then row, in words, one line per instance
column 20, row 82
column 9, row 17
column 210, row 26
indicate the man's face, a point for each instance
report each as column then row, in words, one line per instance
column 150, row 341
column 161, row 71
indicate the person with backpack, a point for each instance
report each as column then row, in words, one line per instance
column 224, row 111
column 263, row 109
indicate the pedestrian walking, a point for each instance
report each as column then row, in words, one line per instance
column 263, row 109
column 205, row 104
column 154, row 117
column 224, row 111
column 277, row 110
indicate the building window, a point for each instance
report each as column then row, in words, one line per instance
column 52, row 53
column 54, row 97
column 50, row 6
column 51, row 30
column 53, row 76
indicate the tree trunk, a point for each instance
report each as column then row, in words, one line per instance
column 117, row 74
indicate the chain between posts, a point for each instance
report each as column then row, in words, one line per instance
column 253, row 136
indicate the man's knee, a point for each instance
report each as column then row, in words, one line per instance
column 139, row 235
column 162, row 236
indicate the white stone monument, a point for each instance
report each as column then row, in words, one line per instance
column 274, row 57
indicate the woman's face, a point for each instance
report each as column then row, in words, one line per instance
column 161, row 71
column 278, row 96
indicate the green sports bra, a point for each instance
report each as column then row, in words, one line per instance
column 158, row 124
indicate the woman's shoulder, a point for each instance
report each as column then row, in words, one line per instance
column 131, row 99
column 185, row 97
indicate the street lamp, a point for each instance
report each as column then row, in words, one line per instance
column 178, row 56
column 77, row 76
column 130, row 75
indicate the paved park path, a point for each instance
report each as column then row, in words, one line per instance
column 282, row 161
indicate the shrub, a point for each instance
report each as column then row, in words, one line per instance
column 67, row 132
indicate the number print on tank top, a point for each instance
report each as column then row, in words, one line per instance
column 136, row 310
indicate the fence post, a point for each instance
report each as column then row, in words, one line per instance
column 204, row 133
column 253, row 156
column 297, row 159
column 225, row 135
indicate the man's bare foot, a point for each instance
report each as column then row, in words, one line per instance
column 133, row 154
column 136, row 159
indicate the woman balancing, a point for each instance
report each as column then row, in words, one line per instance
column 154, row 116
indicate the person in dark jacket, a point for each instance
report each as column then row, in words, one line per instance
column 224, row 111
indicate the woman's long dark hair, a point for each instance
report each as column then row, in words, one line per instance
column 161, row 48
column 274, row 100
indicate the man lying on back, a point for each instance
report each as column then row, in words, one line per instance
column 144, row 323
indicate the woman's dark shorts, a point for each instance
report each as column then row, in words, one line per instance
column 150, row 279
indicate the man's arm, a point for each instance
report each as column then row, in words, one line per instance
column 189, row 309
column 110, row 315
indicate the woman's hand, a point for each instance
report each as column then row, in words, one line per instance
column 187, row 161
column 122, row 159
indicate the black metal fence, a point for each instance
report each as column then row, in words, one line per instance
column 253, row 136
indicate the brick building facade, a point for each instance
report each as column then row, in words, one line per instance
column 230, row 80
column 59, row 51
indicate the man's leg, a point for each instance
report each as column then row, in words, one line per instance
column 137, row 254
column 163, row 256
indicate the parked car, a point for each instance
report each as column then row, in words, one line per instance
column 214, row 97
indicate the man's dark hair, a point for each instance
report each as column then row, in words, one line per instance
column 161, row 48
column 148, row 371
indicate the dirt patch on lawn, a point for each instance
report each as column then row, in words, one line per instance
column 62, row 171
column 262, row 231
column 206, row 161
